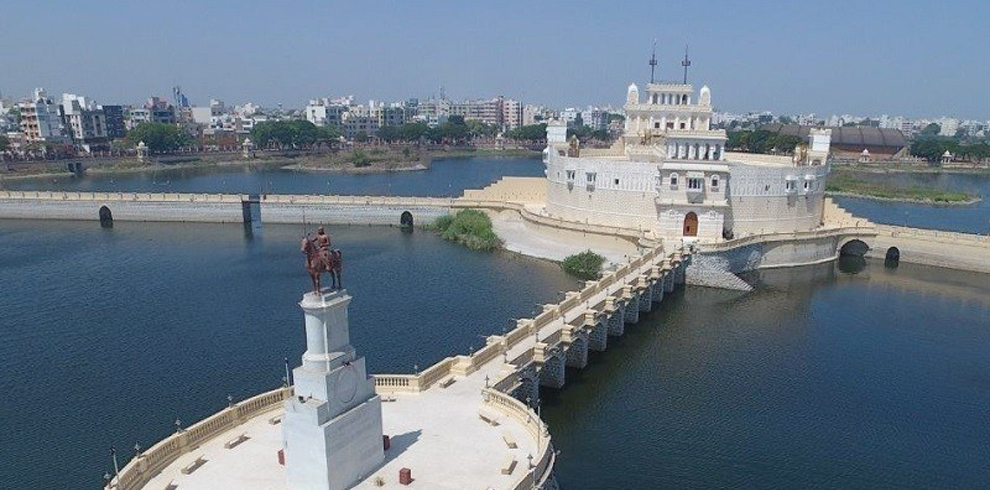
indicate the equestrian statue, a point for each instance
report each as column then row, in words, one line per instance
column 321, row 258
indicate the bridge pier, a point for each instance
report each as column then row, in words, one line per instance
column 645, row 301
column 632, row 305
column 598, row 337
column 668, row 281
column 658, row 289
column 552, row 373
column 529, row 385
column 616, row 321
column 577, row 352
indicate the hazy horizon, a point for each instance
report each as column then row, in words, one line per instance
column 898, row 58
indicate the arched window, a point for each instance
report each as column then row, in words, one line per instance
column 715, row 182
column 673, row 179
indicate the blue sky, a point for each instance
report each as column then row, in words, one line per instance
column 906, row 57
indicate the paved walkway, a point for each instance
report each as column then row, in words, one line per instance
column 528, row 240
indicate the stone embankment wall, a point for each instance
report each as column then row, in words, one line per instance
column 947, row 249
column 209, row 208
column 351, row 210
column 220, row 208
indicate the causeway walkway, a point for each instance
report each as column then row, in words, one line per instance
column 468, row 422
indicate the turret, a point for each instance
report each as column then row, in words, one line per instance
column 705, row 96
column 632, row 94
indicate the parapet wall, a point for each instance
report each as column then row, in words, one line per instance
column 209, row 208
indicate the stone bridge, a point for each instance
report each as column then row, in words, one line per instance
column 539, row 349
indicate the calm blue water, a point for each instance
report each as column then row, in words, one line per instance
column 448, row 177
column 110, row 335
column 818, row 379
column 974, row 218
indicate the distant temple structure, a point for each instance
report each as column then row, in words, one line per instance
column 669, row 174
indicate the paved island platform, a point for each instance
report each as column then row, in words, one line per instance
column 469, row 421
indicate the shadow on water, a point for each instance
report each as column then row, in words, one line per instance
column 851, row 264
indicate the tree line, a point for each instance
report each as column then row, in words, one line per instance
column 761, row 141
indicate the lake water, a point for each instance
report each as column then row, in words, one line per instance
column 974, row 218
column 447, row 177
column 820, row 378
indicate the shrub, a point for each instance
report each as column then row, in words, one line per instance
column 360, row 159
column 586, row 265
column 469, row 227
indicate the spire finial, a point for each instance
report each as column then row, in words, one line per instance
column 653, row 61
column 686, row 63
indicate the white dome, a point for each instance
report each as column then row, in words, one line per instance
column 705, row 96
column 632, row 94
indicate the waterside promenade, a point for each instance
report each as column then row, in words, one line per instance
column 469, row 421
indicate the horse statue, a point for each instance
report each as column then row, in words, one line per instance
column 318, row 262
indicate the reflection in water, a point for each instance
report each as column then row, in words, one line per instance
column 851, row 264
column 818, row 379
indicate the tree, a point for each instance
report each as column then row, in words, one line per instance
column 390, row 133
column 532, row 132
column 453, row 132
column 4, row 143
column 477, row 128
column 296, row 134
column 361, row 137
column 414, row 131
column 932, row 149
column 159, row 137
column 932, row 129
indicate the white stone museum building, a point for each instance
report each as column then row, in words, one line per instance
column 670, row 176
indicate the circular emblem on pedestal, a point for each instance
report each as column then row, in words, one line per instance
column 347, row 382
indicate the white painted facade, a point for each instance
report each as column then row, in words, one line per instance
column 332, row 427
column 669, row 174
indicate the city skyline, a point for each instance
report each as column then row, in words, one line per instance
column 789, row 60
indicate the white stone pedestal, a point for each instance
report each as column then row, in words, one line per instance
column 332, row 428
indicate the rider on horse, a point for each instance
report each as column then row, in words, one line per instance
column 323, row 245
column 321, row 258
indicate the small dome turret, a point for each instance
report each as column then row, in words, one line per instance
column 632, row 94
column 705, row 96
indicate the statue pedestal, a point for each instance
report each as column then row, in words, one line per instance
column 332, row 428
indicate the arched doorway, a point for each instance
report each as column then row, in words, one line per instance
column 406, row 219
column 106, row 217
column 691, row 224
column 892, row 258
column 854, row 247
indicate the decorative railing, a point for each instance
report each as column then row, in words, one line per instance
column 152, row 461
column 121, row 196
column 610, row 283
column 538, row 470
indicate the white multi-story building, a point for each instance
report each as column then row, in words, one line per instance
column 87, row 124
column 41, row 121
column 669, row 175
column 324, row 112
